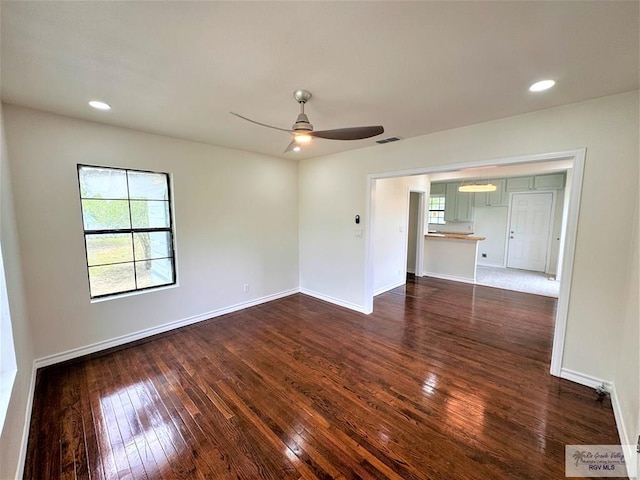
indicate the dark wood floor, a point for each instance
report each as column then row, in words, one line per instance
column 444, row 381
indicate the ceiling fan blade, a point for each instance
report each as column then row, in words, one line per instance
column 259, row 123
column 290, row 147
column 352, row 133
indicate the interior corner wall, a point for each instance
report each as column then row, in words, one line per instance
column 390, row 230
column 236, row 223
column 15, row 424
column 334, row 187
column 627, row 375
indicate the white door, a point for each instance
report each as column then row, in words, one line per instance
column 529, row 231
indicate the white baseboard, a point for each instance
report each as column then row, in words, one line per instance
column 584, row 379
column 335, row 301
column 389, row 287
column 628, row 444
column 449, row 277
column 493, row 265
column 22, row 454
column 115, row 342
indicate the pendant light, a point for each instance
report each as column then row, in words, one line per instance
column 476, row 187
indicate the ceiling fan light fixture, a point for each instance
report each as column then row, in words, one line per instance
column 301, row 137
column 302, row 131
column 477, row 187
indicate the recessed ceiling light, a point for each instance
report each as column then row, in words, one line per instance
column 97, row 104
column 542, row 85
column 297, row 148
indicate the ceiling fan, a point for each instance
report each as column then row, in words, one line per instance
column 302, row 130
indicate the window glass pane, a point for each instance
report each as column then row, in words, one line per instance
column 96, row 182
column 109, row 279
column 151, row 273
column 149, row 214
column 125, row 200
column 152, row 245
column 105, row 214
column 148, row 186
column 109, row 248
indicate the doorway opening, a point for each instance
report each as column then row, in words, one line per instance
column 574, row 161
column 415, row 232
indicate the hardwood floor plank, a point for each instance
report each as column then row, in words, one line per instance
column 116, row 446
column 443, row 381
column 73, row 455
column 103, row 445
column 212, row 464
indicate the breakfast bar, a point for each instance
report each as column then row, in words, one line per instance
column 451, row 256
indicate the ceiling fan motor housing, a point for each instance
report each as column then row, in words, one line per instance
column 302, row 123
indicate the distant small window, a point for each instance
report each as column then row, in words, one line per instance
column 436, row 209
column 128, row 229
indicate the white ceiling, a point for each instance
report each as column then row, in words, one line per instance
column 178, row 68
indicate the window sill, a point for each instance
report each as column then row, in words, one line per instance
column 133, row 294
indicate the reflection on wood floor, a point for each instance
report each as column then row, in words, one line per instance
column 444, row 381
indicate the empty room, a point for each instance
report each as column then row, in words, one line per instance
column 248, row 239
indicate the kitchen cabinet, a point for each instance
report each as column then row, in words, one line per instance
column 464, row 211
column 549, row 182
column 518, row 184
column 554, row 181
column 497, row 198
column 457, row 205
column 438, row 188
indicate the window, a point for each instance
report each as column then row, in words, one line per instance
column 8, row 368
column 128, row 229
column 436, row 209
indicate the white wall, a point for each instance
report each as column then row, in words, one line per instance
column 627, row 374
column 491, row 223
column 332, row 261
column 235, row 223
column 19, row 403
column 391, row 217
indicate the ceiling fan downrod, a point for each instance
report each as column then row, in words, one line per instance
column 302, row 122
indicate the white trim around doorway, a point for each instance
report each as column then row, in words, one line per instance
column 569, row 234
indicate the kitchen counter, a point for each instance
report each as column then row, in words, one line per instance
column 451, row 256
column 457, row 236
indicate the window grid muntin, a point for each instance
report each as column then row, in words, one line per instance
column 131, row 230
column 436, row 206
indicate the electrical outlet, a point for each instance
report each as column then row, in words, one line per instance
column 245, row 287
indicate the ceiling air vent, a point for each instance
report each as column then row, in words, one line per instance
column 388, row 140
